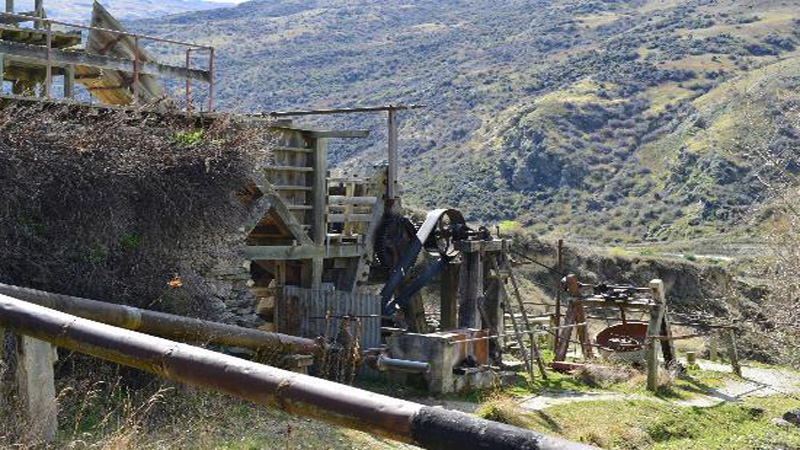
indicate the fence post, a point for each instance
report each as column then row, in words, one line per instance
column 733, row 353
column 36, row 385
column 654, row 329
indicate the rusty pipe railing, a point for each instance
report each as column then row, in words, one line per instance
column 426, row 426
column 165, row 325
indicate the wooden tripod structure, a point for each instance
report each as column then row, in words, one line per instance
column 659, row 333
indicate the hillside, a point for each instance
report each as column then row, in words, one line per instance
column 609, row 121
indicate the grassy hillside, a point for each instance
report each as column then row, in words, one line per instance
column 611, row 121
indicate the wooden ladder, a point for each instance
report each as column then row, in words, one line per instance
column 525, row 328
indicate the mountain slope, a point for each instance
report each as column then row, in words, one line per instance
column 608, row 120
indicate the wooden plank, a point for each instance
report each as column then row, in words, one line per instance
column 320, row 191
column 344, row 200
column 69, row 82
column 345, row 134
column 300, row 207
column 37, row 54
column 293, row 149
column 298, row 252
column 292, row 188
column 362, row 269
column 36, row 385
column 449, row 295
column 653, row 328
column 278, row 205
column 733, row 353
column 289, row 168
column 342, row 218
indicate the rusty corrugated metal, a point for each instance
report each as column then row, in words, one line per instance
column 314, row 305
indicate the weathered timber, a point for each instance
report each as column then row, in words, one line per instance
column 425, row 426
column 343, row 134
column 294, row 252
column 162, row 324
column 342, row 218
column 31, row 53
column 653, row 329
column 36, row 387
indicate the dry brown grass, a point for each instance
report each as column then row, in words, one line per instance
column 114, row 205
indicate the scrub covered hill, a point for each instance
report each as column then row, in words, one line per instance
column 607, row 120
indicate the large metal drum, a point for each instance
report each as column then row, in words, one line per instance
column 626, row 341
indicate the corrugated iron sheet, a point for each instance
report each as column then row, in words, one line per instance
column 314, row 305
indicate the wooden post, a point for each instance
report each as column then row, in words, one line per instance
column 449, row 296
column 653, row 329
column 320, row 188
column 583, row 331
column 2, row 74
column 391, row 181
column 733, row 353
column 468, row 316
column 559, row 269
column 69, row 81
column 712, row 348
column 36, row 384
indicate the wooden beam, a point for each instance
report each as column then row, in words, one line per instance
column 69, row 82
column 299, row 252
column 342, row 218
column 36, row 385
column 38, row 54
column 653, row 329
column 449, row 295
column 278, row 205
column 346, row 134
column 345, row 200
column 733, row 353
column 319, row 225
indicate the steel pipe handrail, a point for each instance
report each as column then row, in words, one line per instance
column 401, row 420
column 165, row 325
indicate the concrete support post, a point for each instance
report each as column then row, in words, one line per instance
column 469, row 316
column 449, row 296
column 36, row 384
column 654, row 329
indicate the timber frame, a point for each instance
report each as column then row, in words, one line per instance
column 112, row 65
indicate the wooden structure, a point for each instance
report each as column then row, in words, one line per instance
column 112, row 65
column 626, row 299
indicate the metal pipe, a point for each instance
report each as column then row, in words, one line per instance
column 402, row 365
column 425, row 426
column 165, row 325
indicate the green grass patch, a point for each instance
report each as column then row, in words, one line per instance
column 644, row 424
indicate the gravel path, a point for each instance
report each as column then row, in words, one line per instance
column 755, row 381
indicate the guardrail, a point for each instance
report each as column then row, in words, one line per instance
column 337, row 404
